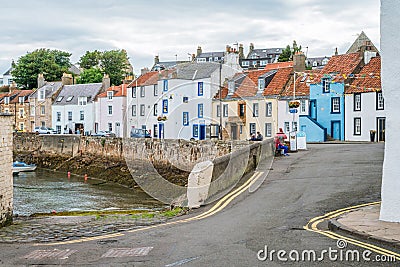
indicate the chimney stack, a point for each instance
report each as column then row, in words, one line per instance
column 251, row 47
column 144, row 71
column 40, row 80
column 241, row 51
column 299, row 62
column 66, row 79
column 199, row 51
column 106, row 82
column 156, row 60
column 336, row 52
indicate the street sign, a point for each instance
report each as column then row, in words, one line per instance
column 293, row 110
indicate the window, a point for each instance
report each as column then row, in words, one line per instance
column 357, row 102
column 268, row 112
column 133, row 110
column 155, row 90
column 32, row 108
column 200, row 110
column 185, row 99
column 155, row 110
column 110, row 110
column 245, row 63
column 302, row 106
column 70, row 98
column 185, row 118
column 82, row 115
column 7, row 100
column 195, row 130
column 242, row 110
column 218, row 111
column 165, row 106
column 241, row 129
column 58, row 116
column 255, row 109
column 142, row 91
column 326, row 82
column 165, row 85
column 21, row 126
column 287, row 127
column 335, row 105
column 21, row 99
column 42, row 110
column 69, row 115
column 110, row 126
column 357, row 126
column 225, row 110
column 380, row 103
column 21, row 112
column 142, row 110
column 41, row 95
column 133, row 92
column 315, row 64
column 59, row 98
column 261, row 84
column 200, row 88
column 155, row 130
column 252, row 128
column 216, row 58
column 43, row 123
column 6, row 110
column 58, row 129
column 294, row 126
column 110, row 95
column 263, row 62
column 82, row 100
column 268, row 129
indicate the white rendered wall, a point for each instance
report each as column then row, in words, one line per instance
column 390, row 38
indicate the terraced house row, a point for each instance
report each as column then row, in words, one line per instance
column 218, row 95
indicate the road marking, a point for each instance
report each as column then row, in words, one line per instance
column 126, row 252
column 178, row 263
column 312, row 226
column 221, row 204
column 50, row 254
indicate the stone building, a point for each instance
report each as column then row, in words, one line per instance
column 16, row 102
column 6, row 179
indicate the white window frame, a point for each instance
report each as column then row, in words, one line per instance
column 142, row 110
column 268, row 109
column 225, row 110
column 357, row 102
column 82, row 100
column 268, row 129
column 287, row 127
column 69, row 115
column 133, row 110
column 82, row 115
column 252, row 128
column 357, row 126
column 302, row 106
column 58, row 116
column 110, row 95
column 110, row 110
column 41, row 94
column 335, row 105
column 255, row 109
column 142, row 91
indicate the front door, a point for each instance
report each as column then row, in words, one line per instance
column 313, row 109
column 202, row 132
column 117, row 129
column 335, row 130
column 381, row 129
column 234, row 134
column 161, row 130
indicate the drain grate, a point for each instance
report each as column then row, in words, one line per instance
column 127, row 252
column 50, row 254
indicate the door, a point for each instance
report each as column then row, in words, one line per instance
column 161, row 130
column 234, row 135
column 313, row 109
column 335, row 131
column 202, row 132
column 117, row 129
column 381, row 129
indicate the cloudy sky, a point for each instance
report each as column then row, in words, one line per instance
column 175, row 27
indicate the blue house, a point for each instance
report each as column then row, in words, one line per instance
column 326, row 114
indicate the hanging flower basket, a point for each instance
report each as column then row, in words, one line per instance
column 294, row 104
column 161, row 118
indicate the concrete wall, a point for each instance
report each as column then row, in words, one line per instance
column 6, row 179
column 390, row 38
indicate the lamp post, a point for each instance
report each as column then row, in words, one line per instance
column 220, row 101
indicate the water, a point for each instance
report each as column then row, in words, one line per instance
column 45, row 191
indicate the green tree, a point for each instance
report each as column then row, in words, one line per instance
column 286, row 54
column 52, row 63
column 91, row 75
column 90, row 59
column 114, row 63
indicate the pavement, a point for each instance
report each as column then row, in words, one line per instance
column 364, row 222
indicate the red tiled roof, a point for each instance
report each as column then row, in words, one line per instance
column 148, row 78
column 119, row 90
column 19, row 93
column 279, row 65
column 369, row 78
column 302, row 83
column 279, row 81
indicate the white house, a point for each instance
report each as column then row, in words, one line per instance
column 365, row 115
column 110, row 110
column 74, row 107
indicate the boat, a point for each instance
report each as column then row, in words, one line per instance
column 19, row 166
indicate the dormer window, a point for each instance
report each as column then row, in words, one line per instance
column 59, row 98
column 315, row 64
column 326, row 85
column 41, row 95
column 261, row 84
column 21, row 99
column 110, row 95
column 82, row 100
column 7, row 100
column 70, row 98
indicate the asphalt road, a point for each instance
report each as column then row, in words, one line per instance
column 298, row 188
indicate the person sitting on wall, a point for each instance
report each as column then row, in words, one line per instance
column 281, row 134
column 279, row 145
column 252, row 137
column 259, row 137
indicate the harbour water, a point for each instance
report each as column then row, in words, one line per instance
column 48, row 191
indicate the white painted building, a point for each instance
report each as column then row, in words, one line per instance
column 110, row 111
column 365, row 106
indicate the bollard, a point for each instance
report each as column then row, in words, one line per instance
column 69, row 175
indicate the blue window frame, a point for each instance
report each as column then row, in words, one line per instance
column 165, row 85
column 165, row 106
column 200, row 109
column 195, row 130
column 185, row 119
column 200, row 88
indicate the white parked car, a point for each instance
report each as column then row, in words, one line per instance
column 44, row 130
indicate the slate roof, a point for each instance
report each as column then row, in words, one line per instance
column 8, row 72
column 167, row 65
column 195, row 71
column 265, row 52
column 148, row 78
column 211, row 54
column 361, row 40
column 119, row 90
column 369, row 78
column 74, row 69
column 49, row 87
column 89, row 90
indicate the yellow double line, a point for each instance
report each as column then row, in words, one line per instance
column 220, row 205
column 312, row 226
